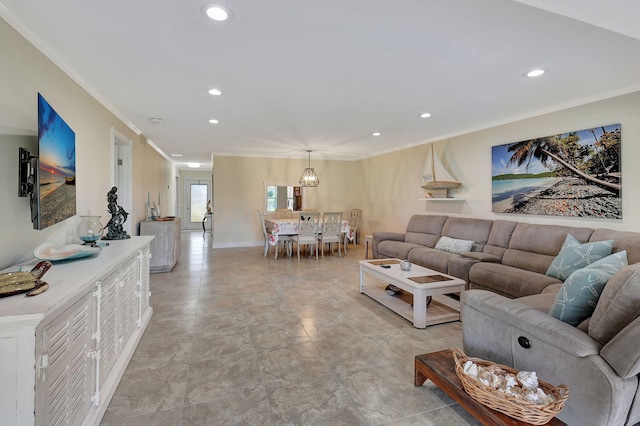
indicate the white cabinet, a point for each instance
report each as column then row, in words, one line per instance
column 108, row 319
column 66, row 375
column 63, row 352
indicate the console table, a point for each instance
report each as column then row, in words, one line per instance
column 439, row 367
column 165, row 248
column 63, row 352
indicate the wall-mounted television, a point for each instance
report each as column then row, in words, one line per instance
column 56, row 167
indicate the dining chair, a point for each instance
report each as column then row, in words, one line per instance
column 284, row 241
column 264, row 232
column 284, row 213
column 331, row 231
column 354, row 221
column 307, row 231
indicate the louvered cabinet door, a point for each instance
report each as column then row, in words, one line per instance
column 128, row 293
column 145, row 264
column 108, row 344
column 67, row 376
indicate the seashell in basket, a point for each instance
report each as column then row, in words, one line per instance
column 523, row 404
column 528, row 379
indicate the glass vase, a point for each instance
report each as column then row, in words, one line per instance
column 90, row 229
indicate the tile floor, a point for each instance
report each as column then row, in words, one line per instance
column 241, row 339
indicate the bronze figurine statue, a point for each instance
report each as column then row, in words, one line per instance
column 118, row 217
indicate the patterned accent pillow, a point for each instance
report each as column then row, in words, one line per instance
column 579, row 294
column 453, row 245
column 575, row 255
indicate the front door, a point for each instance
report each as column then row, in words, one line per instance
column 197, row 194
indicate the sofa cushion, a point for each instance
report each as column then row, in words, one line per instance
column 453, row 245
column 464, row 228
column 575, row 255
column 622, row 240
column 397, row 249
column 424, row 229
column 579, row 294
column 533, row 247
column 508, row 280
column 431, row 258
column 618, row 304
column 481, row 257
column 499, row 237
column 540, row 302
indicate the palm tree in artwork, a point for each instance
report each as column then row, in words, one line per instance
column 551, row 148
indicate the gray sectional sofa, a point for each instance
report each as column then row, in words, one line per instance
column 505, row 312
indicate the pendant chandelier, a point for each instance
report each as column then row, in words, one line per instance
column 309, row 176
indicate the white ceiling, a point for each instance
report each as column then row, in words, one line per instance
column 324, row 76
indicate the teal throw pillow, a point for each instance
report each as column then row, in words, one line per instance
column 575, row 255
column 579, row 294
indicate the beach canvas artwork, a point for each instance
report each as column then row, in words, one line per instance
column 569, row 174
column 57, row 159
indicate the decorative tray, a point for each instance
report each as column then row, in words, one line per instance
column 53, row 252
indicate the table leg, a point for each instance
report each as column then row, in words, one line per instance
column 418, row 375
column 420, row 308
column 367, row 241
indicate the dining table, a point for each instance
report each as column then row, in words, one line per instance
column 276, row 227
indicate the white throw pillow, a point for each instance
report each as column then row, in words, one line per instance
column 453, row 245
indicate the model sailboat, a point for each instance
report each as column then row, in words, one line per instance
column 435, row 178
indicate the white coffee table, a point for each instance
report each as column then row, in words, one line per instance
column 447, row 309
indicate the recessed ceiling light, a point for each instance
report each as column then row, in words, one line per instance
column 425, row 115
column 177, row 155
column 535, row 73
column 193, row 165
column 215, row 92
column 377, row 134
column 217, row 12
column 155, row 120
column 213, row 121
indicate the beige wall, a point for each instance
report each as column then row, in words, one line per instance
column 387, row 187
column 239, row 186
column 153, row 176
column 393, row 180
column 25, row 72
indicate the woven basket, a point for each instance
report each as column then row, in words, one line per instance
column 535, row 414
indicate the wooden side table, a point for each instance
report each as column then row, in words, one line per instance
column 439, row 367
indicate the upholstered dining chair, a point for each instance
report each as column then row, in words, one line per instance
column 307, row 231
column 354, row 221
column 331, row 227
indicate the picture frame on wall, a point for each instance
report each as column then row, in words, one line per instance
column 577, row 174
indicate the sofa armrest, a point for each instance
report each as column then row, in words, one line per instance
column 459, row 267
column 384, row 236
column 381, row 236
column 481, row 257
column 622, row 352
column 531, row 322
